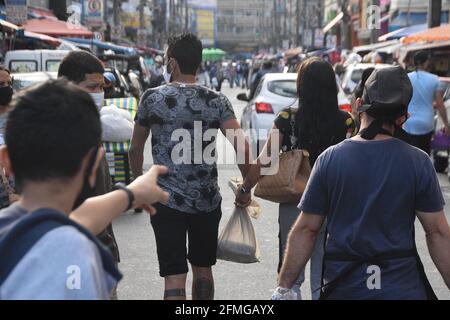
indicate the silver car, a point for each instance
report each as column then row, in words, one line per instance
column 275, row 92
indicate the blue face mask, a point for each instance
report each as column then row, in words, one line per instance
column 166, row 74
column 98, row 98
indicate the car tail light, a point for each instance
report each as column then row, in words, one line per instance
column 346, row 107
column 262, row 107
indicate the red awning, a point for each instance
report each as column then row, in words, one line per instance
column 57, row 28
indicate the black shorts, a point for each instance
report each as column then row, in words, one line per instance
column 171, row 227
column 422, row 142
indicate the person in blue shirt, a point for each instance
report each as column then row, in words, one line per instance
column 370, row 189
column 53, row 148
column 420, row 125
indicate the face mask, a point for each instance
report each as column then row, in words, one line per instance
column 166, row 74
column 98, row 98
column 86, row 191
column 6, row 94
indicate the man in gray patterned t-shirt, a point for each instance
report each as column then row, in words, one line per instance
column 180, row 115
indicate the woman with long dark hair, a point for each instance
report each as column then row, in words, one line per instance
column 317, row 124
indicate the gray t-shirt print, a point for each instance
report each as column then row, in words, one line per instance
column 192, row 186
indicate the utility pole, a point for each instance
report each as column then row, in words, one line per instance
column 304, row 23
column 345, row 26
column 285, row 15
column 374, row 32
column 290, row 23
column 434, row 13
column 275, row 25
column 186, row 17
column 116, row 29
column 142, row 34
column 59, row 8
column 297, row 25
column 116, row 10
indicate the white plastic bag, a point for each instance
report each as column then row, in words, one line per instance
column 237, row 241
column 254, row 210
column 117, row 124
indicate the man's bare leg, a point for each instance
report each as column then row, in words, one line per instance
column 175, row 287
column 202, row 283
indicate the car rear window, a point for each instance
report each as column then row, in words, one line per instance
column 357, row 75
column 23, row 66
column 285, row 88
column 52, row 65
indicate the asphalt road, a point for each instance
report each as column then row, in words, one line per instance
column 233, row 281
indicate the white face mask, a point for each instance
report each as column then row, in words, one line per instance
column 98, row 98
column 167, row 76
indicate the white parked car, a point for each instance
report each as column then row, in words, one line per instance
column 22, row 61
column 275, row 92
column 25, row 80
column 353, row 74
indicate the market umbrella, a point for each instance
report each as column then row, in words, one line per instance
column 213, row 54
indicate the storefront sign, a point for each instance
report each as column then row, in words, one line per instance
column 16, row 11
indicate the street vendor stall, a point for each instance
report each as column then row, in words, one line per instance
column 403, row 32
column 365, row 49
column 117, row 152
column 440, row 51
column 15, row 37
column 441, row 33
column 99, row 47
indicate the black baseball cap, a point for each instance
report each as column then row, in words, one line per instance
column 387, row 93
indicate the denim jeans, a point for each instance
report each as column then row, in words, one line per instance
column 288, row 214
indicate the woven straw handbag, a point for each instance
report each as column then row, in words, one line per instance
column 289, row 182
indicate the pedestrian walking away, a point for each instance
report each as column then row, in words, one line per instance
column 420, row 125
column 370, row 189
column 184, row 110
column 318, row 112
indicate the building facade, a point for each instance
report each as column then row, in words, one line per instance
column 243, row 25
column 263, row 24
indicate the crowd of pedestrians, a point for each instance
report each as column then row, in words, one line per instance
column 354, row 220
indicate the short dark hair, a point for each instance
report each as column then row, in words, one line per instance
column 187, row 50
column 3, row 68
column 51, row 128
column 77, row 64
column 421, row 57
column 267, row 65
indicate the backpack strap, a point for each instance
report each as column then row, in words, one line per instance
column 21, row 236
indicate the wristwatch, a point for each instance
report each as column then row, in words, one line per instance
column 121, row 186
column 244, row 190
